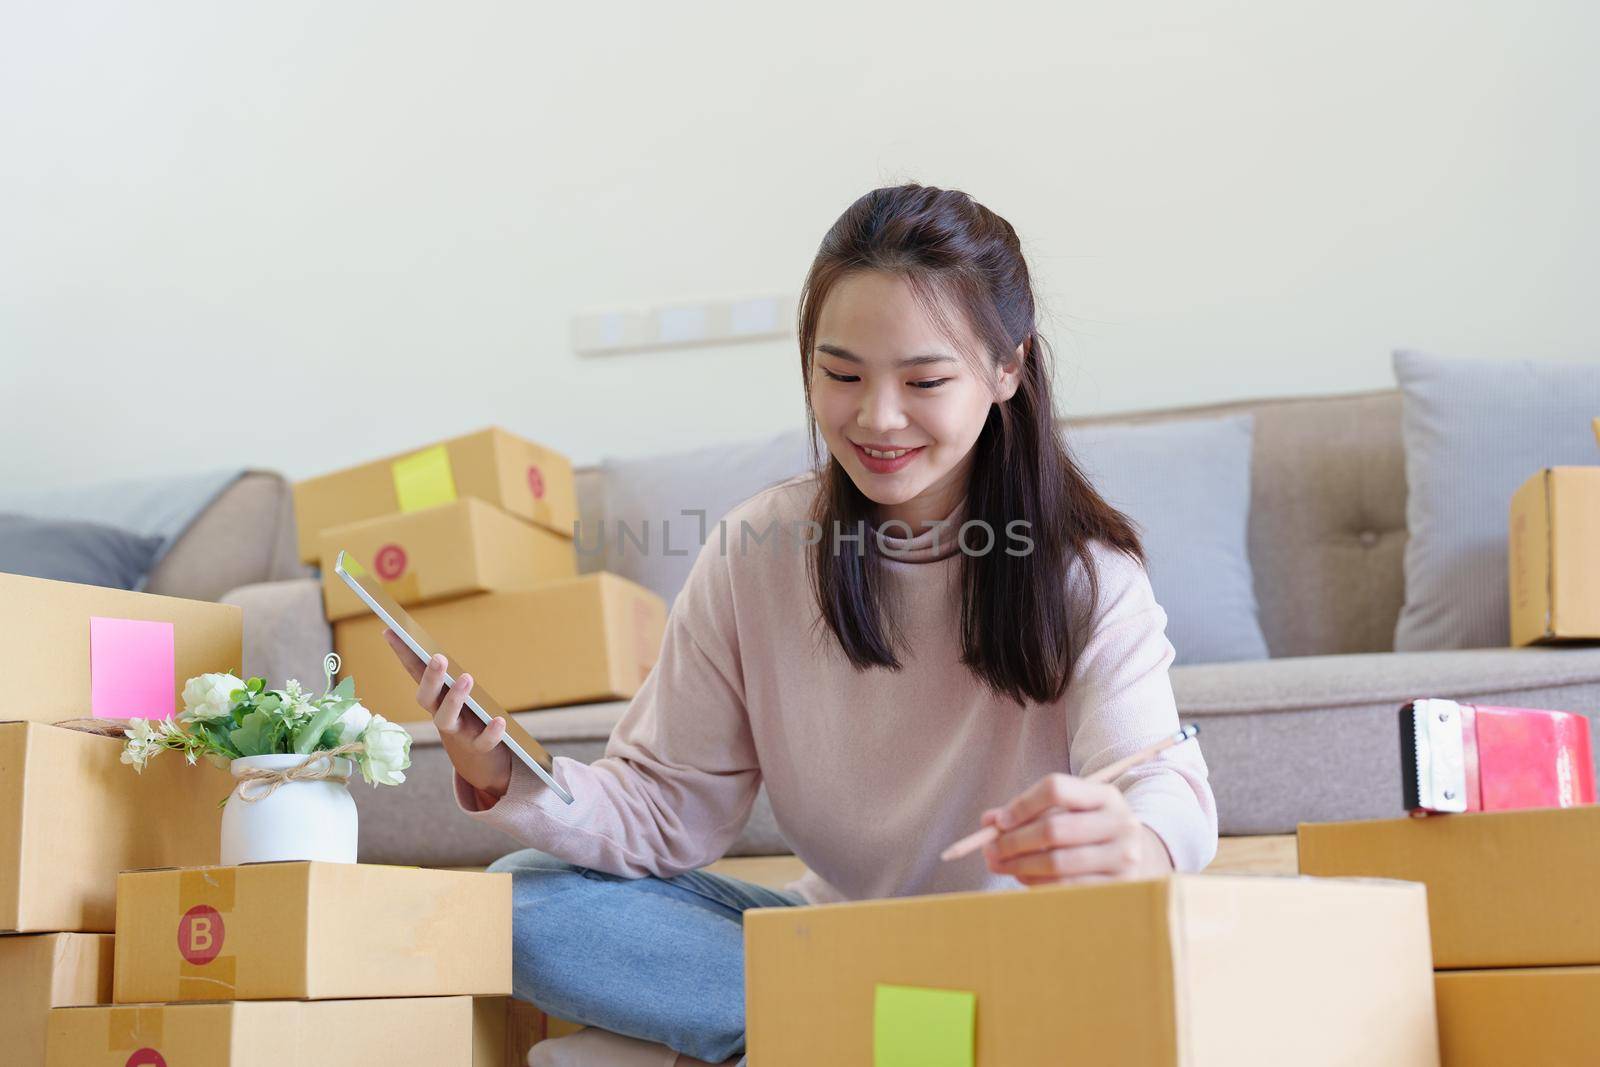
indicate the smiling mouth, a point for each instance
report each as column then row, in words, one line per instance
column 885, row 461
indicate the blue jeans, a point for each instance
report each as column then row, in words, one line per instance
column 660, row 959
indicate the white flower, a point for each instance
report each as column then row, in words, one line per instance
column 387, row 752
column 209, row 696
column 143, row 743
column 353, row 723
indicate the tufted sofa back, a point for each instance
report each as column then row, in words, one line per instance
column 1327, row 517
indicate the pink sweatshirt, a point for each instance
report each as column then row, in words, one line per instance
column 870, row 774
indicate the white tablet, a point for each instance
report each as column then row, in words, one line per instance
column 484, row 706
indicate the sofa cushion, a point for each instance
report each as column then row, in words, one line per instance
column 245, row 535
column 67, row 550
column 1186, row 486
column 647, row 497
column 1327, row 517
column 1316, row 738
column 1475, row 431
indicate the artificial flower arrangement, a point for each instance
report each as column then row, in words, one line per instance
column 225, row 718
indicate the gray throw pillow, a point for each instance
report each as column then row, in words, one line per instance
column 1186, row 485
column 72, row 551
column 1474, row 431
column 657, row 489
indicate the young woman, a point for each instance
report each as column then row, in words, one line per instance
column 941, row 627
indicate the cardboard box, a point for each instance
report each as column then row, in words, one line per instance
column 1202, row 971
column 526, row 1026
column 43, row 971
column 441, row 552
column 1505, row 888
column 1534, row 1015
column 320, row 931
column 594, row 637
column 1555, row 557
column 528, row 480
column 411, row 1032
column 72, row 815
column 109, row 653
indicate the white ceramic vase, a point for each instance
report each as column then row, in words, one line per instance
column 306, row 820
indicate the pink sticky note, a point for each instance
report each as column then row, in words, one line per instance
column 131, row 669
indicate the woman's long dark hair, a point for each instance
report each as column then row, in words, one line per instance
column 1018, row 631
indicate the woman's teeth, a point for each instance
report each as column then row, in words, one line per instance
column 884, row 455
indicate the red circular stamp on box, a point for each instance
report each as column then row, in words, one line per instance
column 200, row 934
column 147, row 1057
column 536, row 482
column 390, row 562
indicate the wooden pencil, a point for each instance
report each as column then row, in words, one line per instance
column 972, row 842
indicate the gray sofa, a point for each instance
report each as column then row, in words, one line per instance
column 1308, row 735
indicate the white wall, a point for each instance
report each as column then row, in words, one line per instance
column 300, row 233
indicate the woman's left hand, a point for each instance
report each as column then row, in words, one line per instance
column 1065, row 829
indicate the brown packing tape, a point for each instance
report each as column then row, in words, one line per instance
column 130, row 1029
column 205, row 904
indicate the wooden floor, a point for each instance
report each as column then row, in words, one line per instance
column 1235, row 855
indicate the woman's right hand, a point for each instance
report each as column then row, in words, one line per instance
column 474, row 749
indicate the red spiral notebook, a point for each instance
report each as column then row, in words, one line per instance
column 1464, row 757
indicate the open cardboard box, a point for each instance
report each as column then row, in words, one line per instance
column 1202, row 971
column 515, row 475
column 594, row 637
column 72, row 816
column 43, row 971
column 442, row 552
column 405, row 1032
column 320, row 931
column 74, row 651
column 1505, row 888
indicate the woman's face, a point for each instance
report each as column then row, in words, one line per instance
column 885, row 377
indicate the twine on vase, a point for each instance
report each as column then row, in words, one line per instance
column 258, row 783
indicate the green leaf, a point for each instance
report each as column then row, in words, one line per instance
column 270, row 704
column 254, row 735
column 238, row 695
column 218, row 740
column 255, row 685
column 345, row 690
column 307, row 736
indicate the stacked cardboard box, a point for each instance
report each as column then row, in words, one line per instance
column 1190, row 970
column 1516, row 935
column 304, row 963
column 474, row 537
column 1554, row 557
column 71, row 814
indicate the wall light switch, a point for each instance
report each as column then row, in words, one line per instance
column 681, row 325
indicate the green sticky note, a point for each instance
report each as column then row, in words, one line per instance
column 913, row 1027
column 423, row 479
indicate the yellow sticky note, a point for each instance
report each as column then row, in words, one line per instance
column 914, row 1027
column 423, row 479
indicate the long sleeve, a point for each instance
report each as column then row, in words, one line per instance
column 1120, row 700
column 679, row 775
